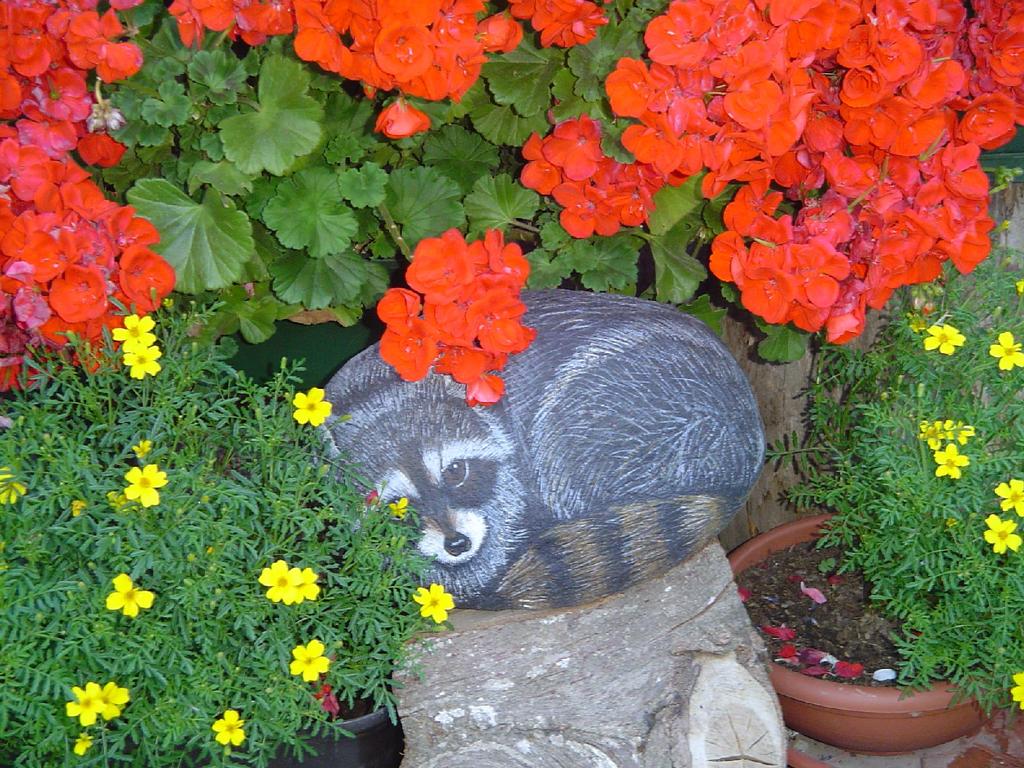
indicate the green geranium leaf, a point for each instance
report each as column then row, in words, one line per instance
column 712, row 213
column 782, row 344
column 611, row 140
column 606, row 263
column 307, row 212
column 210, row 144
column 547, row 269
column 676, row 273
column 673, row 204
column 501, row 125
column 702, row 308
column 257, row 317
column 591, row 63
column 165, row 49
column 364, row 186
column 553, row 236
column 343, row 148
column 522, row 79
column 337, row 278
column 460, row 155
column 222, row 176
column 207, row 243
column 172, row 108
column 424, row 202
column 570, row 104
column 284, row 127
column 497, row 201
column 217, row 76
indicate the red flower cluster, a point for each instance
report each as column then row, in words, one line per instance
column 993, row 52
column 871, row 113
column 66, row 254
column 597, row 193
column 433, row 49
column 252, row 21
column 47, row 51
column 65, row 251
column 462, row 316
column 564, row 23
column 426, row 49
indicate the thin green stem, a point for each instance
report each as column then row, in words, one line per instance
column 394, row 231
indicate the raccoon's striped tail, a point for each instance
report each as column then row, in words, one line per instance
column 581, row 560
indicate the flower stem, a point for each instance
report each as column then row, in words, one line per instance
column 524, row 226
column 394, row 231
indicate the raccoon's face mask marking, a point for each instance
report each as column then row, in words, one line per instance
column 446, row 496
column 456, row 465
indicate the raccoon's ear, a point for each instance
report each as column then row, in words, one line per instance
column 365, row 372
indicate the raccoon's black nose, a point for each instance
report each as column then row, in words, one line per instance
column 457, row 544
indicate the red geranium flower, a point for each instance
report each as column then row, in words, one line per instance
column 400, row 119
column 79, row 294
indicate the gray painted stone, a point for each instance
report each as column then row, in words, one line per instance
column 669, row 674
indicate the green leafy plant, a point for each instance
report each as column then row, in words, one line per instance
column 192, row 485
column 274, row 192
column 917, row 445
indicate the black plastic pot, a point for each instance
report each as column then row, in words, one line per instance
column 376, row 743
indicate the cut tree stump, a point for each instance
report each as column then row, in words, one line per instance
column 666, row 675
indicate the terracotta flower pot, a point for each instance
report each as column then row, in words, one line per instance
column 876, row 721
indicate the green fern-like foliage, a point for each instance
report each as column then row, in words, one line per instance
column 917, row 537
column 246, row 485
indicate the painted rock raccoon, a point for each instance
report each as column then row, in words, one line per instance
column 627, row 437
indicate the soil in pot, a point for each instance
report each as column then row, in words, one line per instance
column 843, row 627
column 862, row 717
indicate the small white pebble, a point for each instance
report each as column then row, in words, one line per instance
column 828, row 659
column 883, row 675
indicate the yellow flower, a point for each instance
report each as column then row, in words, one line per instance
column 229, row 728
column 82, row 743
column 142, row 448
column 1007, row 351
column 949, row 461
column 77, row 507
column 1000, row 534
column 309, row 661
column 1017, row 692
column 435, row 602
column 92, row 701
column 399, row 508
column 963, row 432
column 1020, row 287
column 308, row 588
column 932, row 432
column 136, row 332
column 114, row 699
column 952, row 522
column 284, row 583
column 916, row 322
column 944, row 338
column 10, row 489
column 117, row 501
column 143, row 484
column 127, row 598
column 310, row 407
column 88, row 703
column 142, row 361
column 1012, row 495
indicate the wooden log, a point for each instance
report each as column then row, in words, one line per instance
column 666, row 675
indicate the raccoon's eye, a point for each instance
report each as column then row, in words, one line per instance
column 455, row 474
